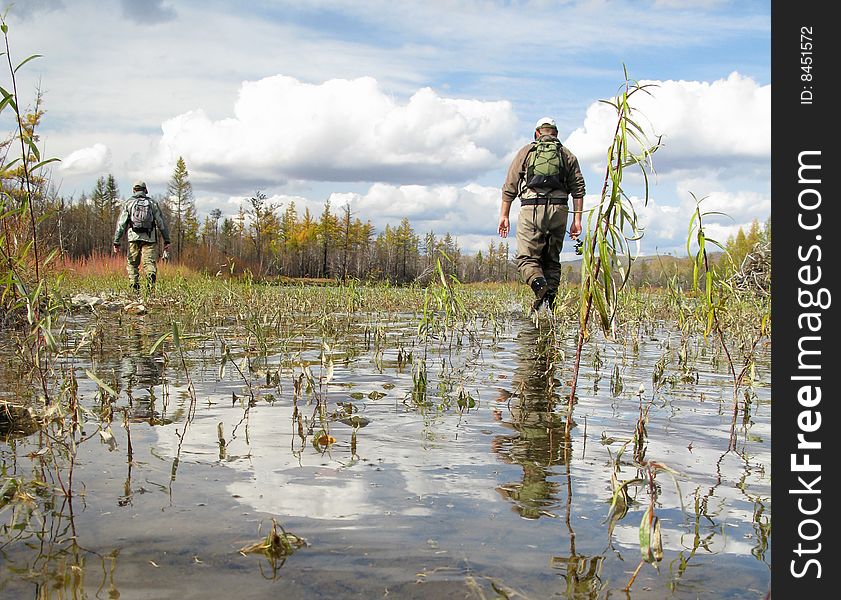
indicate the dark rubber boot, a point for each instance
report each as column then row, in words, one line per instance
column 540, row 287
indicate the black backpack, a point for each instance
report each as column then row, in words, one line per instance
column 141, row 215
column 544, row 164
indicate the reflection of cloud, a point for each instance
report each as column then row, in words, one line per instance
column 627, row 535
column 436, row 475
column 319, row 486
column 297, row 492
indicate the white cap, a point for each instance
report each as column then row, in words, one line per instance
column 546, row 122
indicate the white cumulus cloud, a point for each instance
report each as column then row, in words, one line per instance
column 704, row 125
column 470, row 209
column 84, row 161
column 666, row 226
column 339, row 130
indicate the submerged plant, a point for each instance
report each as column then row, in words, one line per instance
column 277, row 546
column 19, row 498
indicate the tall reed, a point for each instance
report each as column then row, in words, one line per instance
column 612, row 226
column 717, row 307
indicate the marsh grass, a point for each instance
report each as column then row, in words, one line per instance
column 709, row 309
column 292, row 339
column 271, row 332
column 739, row 322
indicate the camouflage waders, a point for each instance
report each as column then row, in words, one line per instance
column 142, row 255
column 540, row 237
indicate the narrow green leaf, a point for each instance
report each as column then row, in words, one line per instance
column 101, row 383
column 26, row 60
column 49, row 339
column 51, row 256
column 8, row 166
column 709, row 288
column 10, row 101
column 695, row 272
column 37, row 166
column 35, row 152
column 158, row 342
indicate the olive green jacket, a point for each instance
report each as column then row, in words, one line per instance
column 573, row 179
column 124, row 223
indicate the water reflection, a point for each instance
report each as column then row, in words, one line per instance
column 56, row 565
column 542, row 446
column 141, row 373
column 414, row 487
column 582, row 575
column 535, row 413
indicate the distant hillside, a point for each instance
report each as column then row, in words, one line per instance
column 646, row 266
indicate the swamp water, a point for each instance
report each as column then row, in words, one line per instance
column 467, row 488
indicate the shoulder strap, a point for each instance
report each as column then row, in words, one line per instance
column 526, row 159
column 563, row 161
column 522, row 180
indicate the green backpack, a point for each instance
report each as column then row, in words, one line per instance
column 544, row 166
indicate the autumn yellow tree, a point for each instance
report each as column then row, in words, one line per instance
column 740, row 245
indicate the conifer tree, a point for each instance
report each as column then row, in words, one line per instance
column 328, row 231
column 181, row 203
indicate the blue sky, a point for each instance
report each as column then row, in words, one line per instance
column 401, row 108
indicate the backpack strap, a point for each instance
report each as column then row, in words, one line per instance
column 521, row 184
column 563, row 165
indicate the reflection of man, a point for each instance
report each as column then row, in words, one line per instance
column 535, row 415
column 140, row 371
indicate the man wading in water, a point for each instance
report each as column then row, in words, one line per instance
column 543, row 175
column 142, row 218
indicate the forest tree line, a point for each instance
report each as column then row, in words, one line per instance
column 268, row 239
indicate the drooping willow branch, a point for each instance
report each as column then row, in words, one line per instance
column 612, row 226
